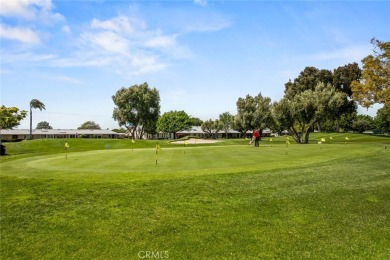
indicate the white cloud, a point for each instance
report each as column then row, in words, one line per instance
column 68, row 79
column 348, row 54
column 107, row 41
column 118, row 24
column 161, row 41
column 209, row 24
column 66, row 29
column 30, row 10
column 200, row 2
column 24, row 35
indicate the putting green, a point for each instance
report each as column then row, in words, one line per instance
column 179, row 162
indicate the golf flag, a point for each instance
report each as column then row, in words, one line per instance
column 270, row 140
column 346, row 138
column 132, row 140
column 66, row 150
column 158, row 147
column 185, row 142
column 323, row 140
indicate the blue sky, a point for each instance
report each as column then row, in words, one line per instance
column 201, row 55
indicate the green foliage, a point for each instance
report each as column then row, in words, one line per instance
column 43, row 125
column 300, row 113
column 343, row 77
column 89, row 125
column 253, row 113
column 362, row 123
column 10, row 117
column 375, row 84
column 196, row 121
column 174, row 121
column 382, row 119
column 308, row 79
column 137, row 108
column 226, row 119
column 36, row 104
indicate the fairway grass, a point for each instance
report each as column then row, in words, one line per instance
column 147, row 163
column 225, row 201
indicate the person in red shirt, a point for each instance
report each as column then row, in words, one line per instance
column 256, row 136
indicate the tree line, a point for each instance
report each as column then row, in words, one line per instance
column 317, row 99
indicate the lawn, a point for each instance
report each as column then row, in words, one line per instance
column 108, row 199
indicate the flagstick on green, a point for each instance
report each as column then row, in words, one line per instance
column 157, row 148
column 287, row 143
column 132, row 146
column 346, row 139
column 66, row 150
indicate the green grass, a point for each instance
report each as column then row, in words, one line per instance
column 229, row 200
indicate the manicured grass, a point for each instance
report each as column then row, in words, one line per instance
column 228, row 200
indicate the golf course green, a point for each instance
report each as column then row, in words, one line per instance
column 112, row 199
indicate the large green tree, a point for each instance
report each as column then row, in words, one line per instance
column 10, row 117
column 173, row 122
column 253, row 113
column 35, row 104
column 374, row 86
column 137, row 108
column 89, row 125
column 300, row 113
column 308, row 79
column 343, row 77
column 43, row 125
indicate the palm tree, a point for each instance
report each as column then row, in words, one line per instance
column 35, row 103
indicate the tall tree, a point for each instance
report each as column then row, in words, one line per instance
column 35, row 104
column 137, row 109
column 43, row 125
column 89, row 125
column 254, row 112
column 227, row 120
column 299, row 114
column 208, row 127
column 374, row 87
column 173, row 122
column 308, row 79
column 343, row 77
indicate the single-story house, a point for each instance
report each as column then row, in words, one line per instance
column 22, row 134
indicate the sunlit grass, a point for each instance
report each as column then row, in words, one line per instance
column 226, row 201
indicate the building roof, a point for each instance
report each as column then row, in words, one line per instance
column 57, row 132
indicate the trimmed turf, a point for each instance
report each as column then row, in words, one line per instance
column 225, row 201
